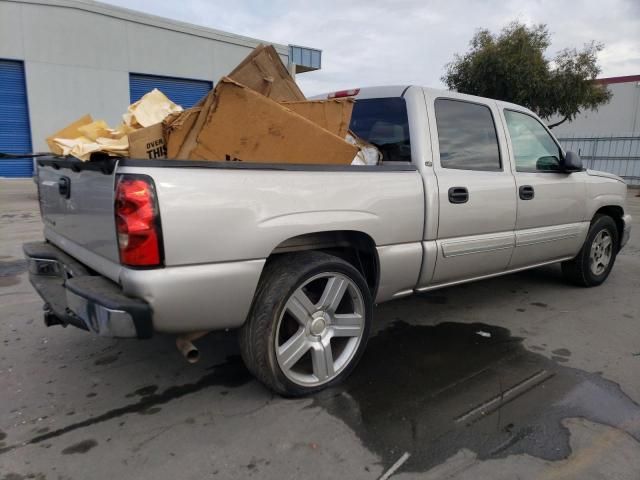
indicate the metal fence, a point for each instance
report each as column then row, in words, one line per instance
column 615, row 154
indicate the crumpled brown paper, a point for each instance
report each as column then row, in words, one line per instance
column 153, row 108
column 83, row 147
column 86, row 136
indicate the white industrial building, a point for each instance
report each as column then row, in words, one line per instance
column 609, row 139
column 61, row 59
column 621, row 116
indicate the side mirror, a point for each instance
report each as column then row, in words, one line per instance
column 572, row 162
column 548, row 164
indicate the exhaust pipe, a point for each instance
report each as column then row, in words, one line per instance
column 187, row 348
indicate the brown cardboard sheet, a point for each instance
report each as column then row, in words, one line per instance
column 69, row 132
column 263, row 71
column 240, row 124
column 177, row 128
column 333, row 115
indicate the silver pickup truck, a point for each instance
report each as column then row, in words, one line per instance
column 296, row 256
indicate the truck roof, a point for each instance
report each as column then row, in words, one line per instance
column 365, row 92
column 399, row 90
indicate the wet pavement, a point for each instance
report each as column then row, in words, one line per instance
column 516, row 377
column 472, row 386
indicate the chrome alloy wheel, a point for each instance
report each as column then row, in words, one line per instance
column 601, row 252
column 320, row 329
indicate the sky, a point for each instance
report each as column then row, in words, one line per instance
column 375, row 42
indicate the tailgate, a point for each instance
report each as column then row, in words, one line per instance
column 76, row 201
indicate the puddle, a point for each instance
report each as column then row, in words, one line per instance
column 109, row 359
column 143, row 392
column 12, row 268
column 9, row 271
column 81, row 447
column 9, row 281
column 432, row 390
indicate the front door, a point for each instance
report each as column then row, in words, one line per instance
column 551, row 209
column 476, row 191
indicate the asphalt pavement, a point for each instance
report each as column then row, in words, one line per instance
column 521, row 376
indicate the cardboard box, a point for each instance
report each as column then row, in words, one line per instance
column 191, row 135
column 264, row 72
column 333, row 115
column 148, row 143
column 240, row 124
column 177, row 128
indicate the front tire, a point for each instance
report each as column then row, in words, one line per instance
column 309, row 323
column 593, row 264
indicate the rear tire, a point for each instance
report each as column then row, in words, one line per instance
column 593, row 264
column 308, row 325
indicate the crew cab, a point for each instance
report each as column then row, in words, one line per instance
column 296, row 256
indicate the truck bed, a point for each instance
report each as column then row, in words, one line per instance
column 223, row 219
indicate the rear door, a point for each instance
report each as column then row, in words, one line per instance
column 551, row 206
column 477, row 212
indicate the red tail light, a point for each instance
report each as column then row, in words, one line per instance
column 137, row 221
column 344, row 93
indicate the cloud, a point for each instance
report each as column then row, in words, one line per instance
column 375, row 42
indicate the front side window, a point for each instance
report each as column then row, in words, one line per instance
column 467, row 136
column 533, row 148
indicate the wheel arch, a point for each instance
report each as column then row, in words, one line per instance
column 616, row 212
column 354, row 247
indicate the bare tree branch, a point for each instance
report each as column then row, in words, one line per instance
column 557, row 123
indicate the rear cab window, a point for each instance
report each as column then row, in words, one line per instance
column 384, row 123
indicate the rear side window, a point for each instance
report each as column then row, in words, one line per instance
column 384, row 123
column 467, row 136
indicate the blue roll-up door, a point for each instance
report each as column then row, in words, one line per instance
column 15, row 134
column 184, row 92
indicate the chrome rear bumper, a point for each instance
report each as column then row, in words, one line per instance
column 75, row 297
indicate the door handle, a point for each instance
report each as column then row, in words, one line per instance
column 64, row 187
column 526, row 192
column 458, row 195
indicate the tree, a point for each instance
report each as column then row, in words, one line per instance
column 512, row 66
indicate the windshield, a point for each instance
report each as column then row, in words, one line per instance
column 384, row 123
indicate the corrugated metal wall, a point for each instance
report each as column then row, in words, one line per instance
column 184, row 92
column 619, row 154
column 15, row 134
